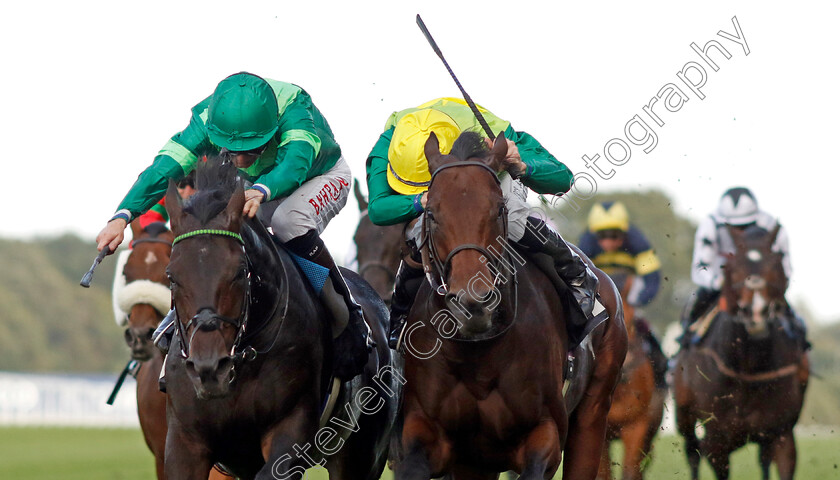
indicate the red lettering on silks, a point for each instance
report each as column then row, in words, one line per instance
column 343, row 182
column 315, row 205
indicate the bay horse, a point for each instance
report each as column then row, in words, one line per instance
column 745, row 380
column 637, row 404
column 378, row 250
column 485, row 371
column 145, row 299
column 249, row 367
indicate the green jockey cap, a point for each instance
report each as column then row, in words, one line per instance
column 243, row 113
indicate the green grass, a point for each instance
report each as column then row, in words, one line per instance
column 74, row 454
column 92, row 454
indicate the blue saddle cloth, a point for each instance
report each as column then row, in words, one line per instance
column 316, row 274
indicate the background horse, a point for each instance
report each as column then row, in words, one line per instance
column 485, row 370
column 378, row 250
column 746, row 379
column 250, row 364
column 145, row 299
column 637, row 404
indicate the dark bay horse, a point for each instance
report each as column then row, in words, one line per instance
column 746, row 379
column 487, row 345
column 637, row 404
column 378, row 250
column 248, row 370
column 145, row 298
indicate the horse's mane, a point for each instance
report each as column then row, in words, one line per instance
column 156, row 228
column 469, row 145
column 754, row 234
column 215, row 183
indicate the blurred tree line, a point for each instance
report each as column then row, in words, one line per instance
column 47, row 321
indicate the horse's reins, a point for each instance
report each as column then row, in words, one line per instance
column 785, row 371
column 430, row 253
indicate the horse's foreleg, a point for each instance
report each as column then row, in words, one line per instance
column 287, row 447
column 685, row 425
column 717, row 451
column 586, row 435
column 784, row 454
column 633, row 437
column 588, row 424
column 187, row 458
column 605, row 468
column 424, row 451
column 414, row 466
column 765, row 456
column 541, row 452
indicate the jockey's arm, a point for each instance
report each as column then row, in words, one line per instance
column 174, row 161
column 647, row 267
column 705, row 266
column 387, row 207
column 544, row 174
column 782, row 245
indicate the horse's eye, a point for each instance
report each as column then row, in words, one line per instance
column 241, row 274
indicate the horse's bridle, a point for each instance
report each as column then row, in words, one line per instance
column 439, row 284
column 240, row 323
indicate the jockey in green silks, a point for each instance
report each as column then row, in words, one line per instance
column 296, row 178
column 398, row 179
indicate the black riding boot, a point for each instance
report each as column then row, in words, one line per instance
column 406, row 285
column 571, row 268
column 162, row 337
column 698, row 304
column 351, row 335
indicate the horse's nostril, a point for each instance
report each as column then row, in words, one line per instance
column 128, row 337
column 190, row 366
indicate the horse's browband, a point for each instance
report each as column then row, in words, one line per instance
column 205, row 231
column 465, row 163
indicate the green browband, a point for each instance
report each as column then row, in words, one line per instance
column 208, row 232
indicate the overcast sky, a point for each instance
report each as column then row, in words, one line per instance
column 92, row 90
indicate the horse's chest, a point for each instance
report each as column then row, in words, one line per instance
column 488, row 409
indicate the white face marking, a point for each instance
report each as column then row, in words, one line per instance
column 757, row 307
column 754, row 256
column 150, row 258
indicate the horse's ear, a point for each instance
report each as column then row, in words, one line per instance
column 136, row 229
column 499, row 152
column 773, row 234
column 432, row 151
column 360, row 198
column 233, row 211
column 174, row 206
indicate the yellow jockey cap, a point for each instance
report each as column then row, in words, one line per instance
column 609, row 216
column 408, row 168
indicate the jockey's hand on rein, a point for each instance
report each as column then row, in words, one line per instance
column 253, row 199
